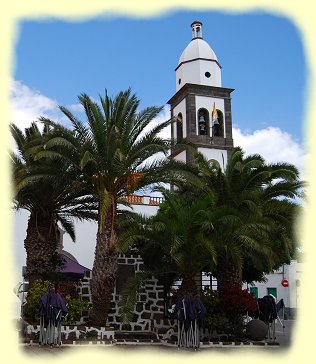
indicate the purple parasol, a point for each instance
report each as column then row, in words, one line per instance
column 72, row 268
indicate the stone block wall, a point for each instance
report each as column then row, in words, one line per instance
column 73, row 332
column 149, row 309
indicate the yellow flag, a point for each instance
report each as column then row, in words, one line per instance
column 214, row 115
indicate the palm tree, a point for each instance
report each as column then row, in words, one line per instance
column 117, row 149
column 259, row 231
column 241, row 220
column 176, row 240
column 48, row 190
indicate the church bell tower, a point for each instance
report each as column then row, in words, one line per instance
column 201, row 106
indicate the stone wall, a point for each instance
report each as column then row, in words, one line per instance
column 73, row 332
column 149, row 310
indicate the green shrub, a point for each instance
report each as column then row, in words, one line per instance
column 218, row 323
column 33, row 298
column 75, row 308
column 215, row 320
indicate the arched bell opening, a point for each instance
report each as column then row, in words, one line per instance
column 218, row 124
column 179, row 128
column 203, row 122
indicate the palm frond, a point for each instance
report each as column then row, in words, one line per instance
column 68, row 226
column 128, row 299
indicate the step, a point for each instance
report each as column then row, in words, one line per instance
column 135, row 335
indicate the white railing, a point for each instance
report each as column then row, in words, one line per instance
column 143, row 200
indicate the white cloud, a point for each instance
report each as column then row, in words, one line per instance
column 274, row 144
column 77, row 108
column 28, row 105
column 162, row 117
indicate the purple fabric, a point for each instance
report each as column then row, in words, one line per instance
column 53, row 307
column 71, row 266
column 190, row 308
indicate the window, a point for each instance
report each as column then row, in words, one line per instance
column 272, row 291
column 179, row 128
column 254, row 291
column 179, row 81
column 207, row 75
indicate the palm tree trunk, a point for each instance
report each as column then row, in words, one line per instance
column 40, row 246
column 227, row 275
column 229, row 283
column 104, row 269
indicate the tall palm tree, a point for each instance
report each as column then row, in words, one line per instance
column 117, row 149
column 261, row 197
column 49, row 191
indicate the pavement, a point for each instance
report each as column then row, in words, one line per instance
column 282, row 341
column 283, row 335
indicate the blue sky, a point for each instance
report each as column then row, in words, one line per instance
column 261, row 55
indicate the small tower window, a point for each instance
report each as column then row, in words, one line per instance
column 218, row 122
column 179, row 81
column 198, row 31
column 203, row 122
column 179, row 122
column 207, row 75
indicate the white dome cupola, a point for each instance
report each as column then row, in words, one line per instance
column 198, row 63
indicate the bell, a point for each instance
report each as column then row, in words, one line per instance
column 201, row 119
